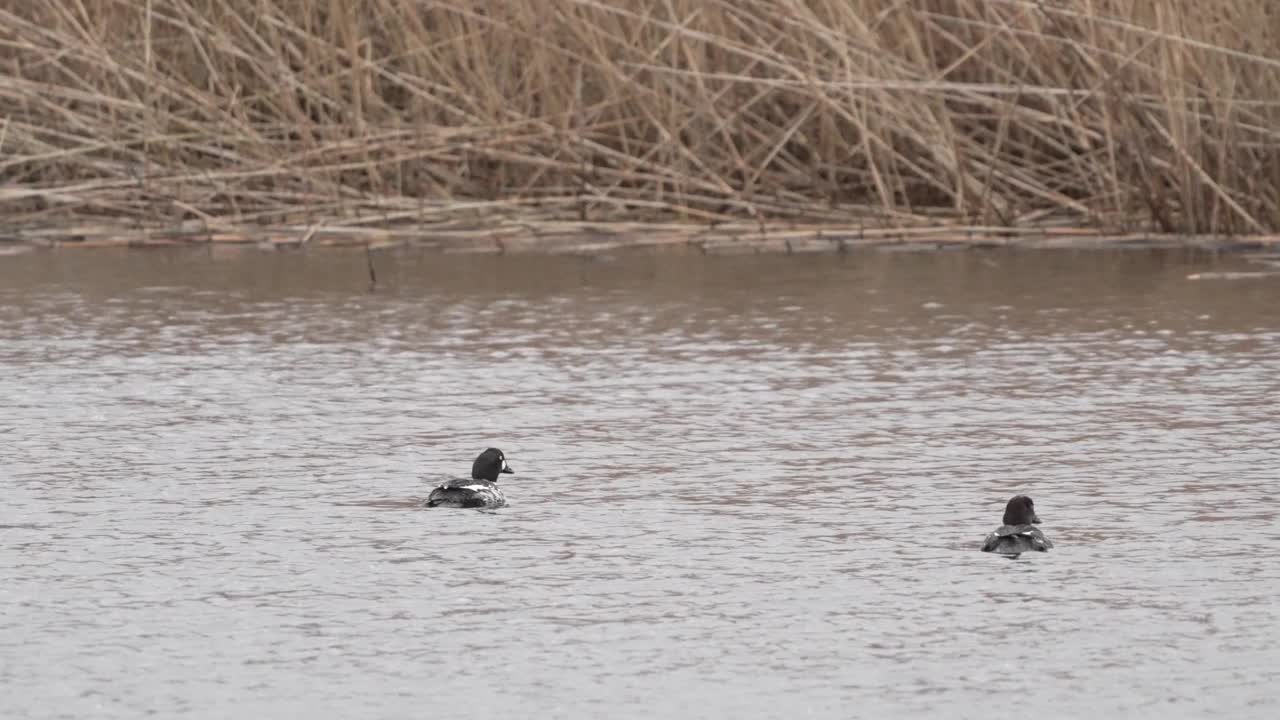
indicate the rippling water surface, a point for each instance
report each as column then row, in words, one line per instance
column 746, row 487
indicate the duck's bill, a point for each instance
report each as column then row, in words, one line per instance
column 507, row 469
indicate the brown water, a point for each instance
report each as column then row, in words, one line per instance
column 747, row 487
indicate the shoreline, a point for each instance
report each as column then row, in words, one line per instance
column 589, row 238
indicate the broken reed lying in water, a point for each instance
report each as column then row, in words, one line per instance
column 1119, row 116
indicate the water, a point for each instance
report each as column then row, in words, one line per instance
column 746, row 487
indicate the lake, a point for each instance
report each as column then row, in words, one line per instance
column 745, row 486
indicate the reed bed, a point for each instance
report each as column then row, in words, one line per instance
column 205, row 116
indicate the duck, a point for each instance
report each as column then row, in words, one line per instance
column 1018, row 534
column 481, row 491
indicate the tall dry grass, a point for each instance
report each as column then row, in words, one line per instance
column 1162, row 114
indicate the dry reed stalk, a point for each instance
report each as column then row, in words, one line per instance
column 233, row 113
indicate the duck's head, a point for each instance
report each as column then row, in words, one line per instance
column 1020, row 511
column 489, row 464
